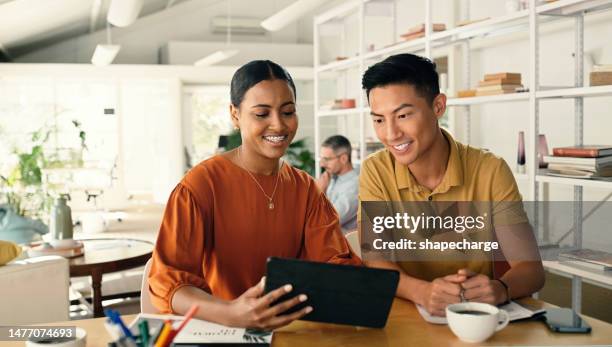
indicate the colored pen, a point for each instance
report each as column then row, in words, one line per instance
column 114, row 316
column 163, row 336
column 143, row 327
column 192, row 311
column 156, row 335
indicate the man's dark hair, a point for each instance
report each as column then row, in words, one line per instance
column 405, row 68
column 339, row 143
column 254, row 72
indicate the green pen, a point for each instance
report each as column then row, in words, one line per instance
column 143, row 326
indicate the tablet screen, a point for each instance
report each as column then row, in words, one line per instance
column 341, row 294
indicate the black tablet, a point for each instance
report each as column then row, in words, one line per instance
column 341, row 294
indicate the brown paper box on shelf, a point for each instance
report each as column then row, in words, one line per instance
column 499, row 82
column 501, row 75
column 467, row 93
column 601, row 78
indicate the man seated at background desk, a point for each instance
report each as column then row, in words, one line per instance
column 340, row 181
column 423, row 162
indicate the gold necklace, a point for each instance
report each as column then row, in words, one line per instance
column 270, row 202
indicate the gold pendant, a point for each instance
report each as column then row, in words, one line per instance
column 271, row 205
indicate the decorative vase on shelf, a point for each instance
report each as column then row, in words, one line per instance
column 542, row 151
column 520, row 162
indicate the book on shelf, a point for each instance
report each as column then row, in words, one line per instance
column 602, row 68
column 421, row 28
column 471, row 21
column 574, row 172
column 595, row 163
column 494, row 92
column 419, row 31
column 511, row 87
column 408, row 37
column 502, row 75
column 597, row 260
column 499, row 81
column 585, row 151
column 466, row 93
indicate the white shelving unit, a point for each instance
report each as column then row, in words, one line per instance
column 342, row 112
column 600, row 278
column 487, row 99
column 574, row 182
column 528, row 20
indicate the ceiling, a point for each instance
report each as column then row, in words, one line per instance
column 28, row 25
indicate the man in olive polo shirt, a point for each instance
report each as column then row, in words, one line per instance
column 422, row 162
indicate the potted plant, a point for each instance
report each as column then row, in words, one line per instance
column 26, row 198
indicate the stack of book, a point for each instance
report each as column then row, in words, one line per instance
column 601, row 75
column 596, row 260
column 419, row 31
column 590, row 162
column 499, row 83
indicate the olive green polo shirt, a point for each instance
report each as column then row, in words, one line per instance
column 471, row 175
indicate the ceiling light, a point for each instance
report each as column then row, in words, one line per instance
column 104, row 54
column 122, row 13
column 290, row 14
column 216, row 57
column 225, row 53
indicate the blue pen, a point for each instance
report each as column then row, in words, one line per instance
column 114, row 316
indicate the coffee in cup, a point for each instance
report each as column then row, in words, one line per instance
column 474, row 321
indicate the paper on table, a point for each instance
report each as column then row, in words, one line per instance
column 515, row 311
column 200, row 331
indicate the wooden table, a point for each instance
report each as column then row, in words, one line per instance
column 108, row 255
column 405, row 327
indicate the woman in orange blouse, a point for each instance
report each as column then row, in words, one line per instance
column 233, row 211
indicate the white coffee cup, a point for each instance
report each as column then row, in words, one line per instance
column 474, row 321
column 80, row 340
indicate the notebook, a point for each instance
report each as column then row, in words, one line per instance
column 514, row 309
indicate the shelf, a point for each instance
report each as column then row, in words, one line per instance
column 341, row 112
column 339, row 65
column 575, row 92
column 487, row 99
column 572, row 7
column 603, row 277
column 574, row 181
column 498, row 25
column 412, row 46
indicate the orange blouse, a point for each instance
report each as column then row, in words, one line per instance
column 218, row 231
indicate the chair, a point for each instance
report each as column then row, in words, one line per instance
column 353, row 240
column 145, row 297
column 34, row 290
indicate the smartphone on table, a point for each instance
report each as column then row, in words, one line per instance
column 565, row 320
